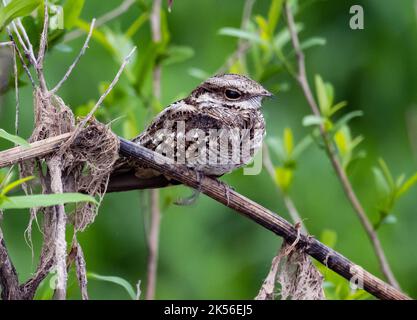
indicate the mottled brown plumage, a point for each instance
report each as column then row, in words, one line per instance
column 222, row 112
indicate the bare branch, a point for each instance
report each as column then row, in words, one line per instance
column 42, row 48
column 26, row 37
column 82, row 52
column 289, row 204
column 22, row 61
column 44, row 35
column 344, row 180
column 54, row 166
column 243, row 45
column 153, row 239
column 82, row 124
column 16, row 89
column 37, row 149
column 264, row 217
column 153, row 244
column 6, row 44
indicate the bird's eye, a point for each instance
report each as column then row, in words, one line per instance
column 232, row 94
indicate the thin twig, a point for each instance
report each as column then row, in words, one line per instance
column 22, row 61
column 24, row 42
column 54, row 166
column 153, row 240
column 26, row 37
column 347, row 187
column 6, row 44
column 27, row 46
column 243, row 45
column 111, row 15
column 72, row 66
column 82, row 124
column 16, row 89
column 42, row 49
column 289, row 204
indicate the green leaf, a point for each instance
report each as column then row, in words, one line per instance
column 14, row 184
column 387, row 174
column 283, row 37
column 15, row 9
column 198, row 73
column 389, row 219
column 263, row 28
column 312, row 42
column 242, row 34
column 283, row 177
column 72, row 11
column 345, row 119
column 312, row 120
column 407, row 185
column 322, row 91
column 12, row 138
column 381, row 184
column 342, row 140
column 274, row 14
column 337, row 107
column 177, row 54
column 137, row 24
column 288, row 142
column 329, row 238
column 44, row 200
column 301, row 146
column 116, row 280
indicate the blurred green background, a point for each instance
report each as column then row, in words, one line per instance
column 206, row 250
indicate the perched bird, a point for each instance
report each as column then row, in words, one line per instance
column 215, row 130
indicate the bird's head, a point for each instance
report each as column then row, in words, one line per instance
column 230, row 91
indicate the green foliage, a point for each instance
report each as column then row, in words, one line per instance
column 338, row 129
column 268, row 45
column 42, row 200
column 72, row 9
column 116, row 280
column 32, row 201
column 13, row 138
column 287, row 153
column 389, row 191
column 16, row 9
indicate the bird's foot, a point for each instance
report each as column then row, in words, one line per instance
column 227, row 189
column 194, row 196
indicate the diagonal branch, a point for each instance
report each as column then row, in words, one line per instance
column 331, row 152
column 250, row 209
column 72, row 66
column 264, row 217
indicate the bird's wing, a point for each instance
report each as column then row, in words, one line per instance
column 181, row 113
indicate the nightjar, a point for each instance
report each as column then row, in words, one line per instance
column 215, row 130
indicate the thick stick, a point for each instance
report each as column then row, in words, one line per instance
column 266, row 218
column 36, row 149
column 217, row 190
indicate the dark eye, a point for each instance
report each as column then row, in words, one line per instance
column 232, row 94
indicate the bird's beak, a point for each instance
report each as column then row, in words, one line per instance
column 266, row 93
